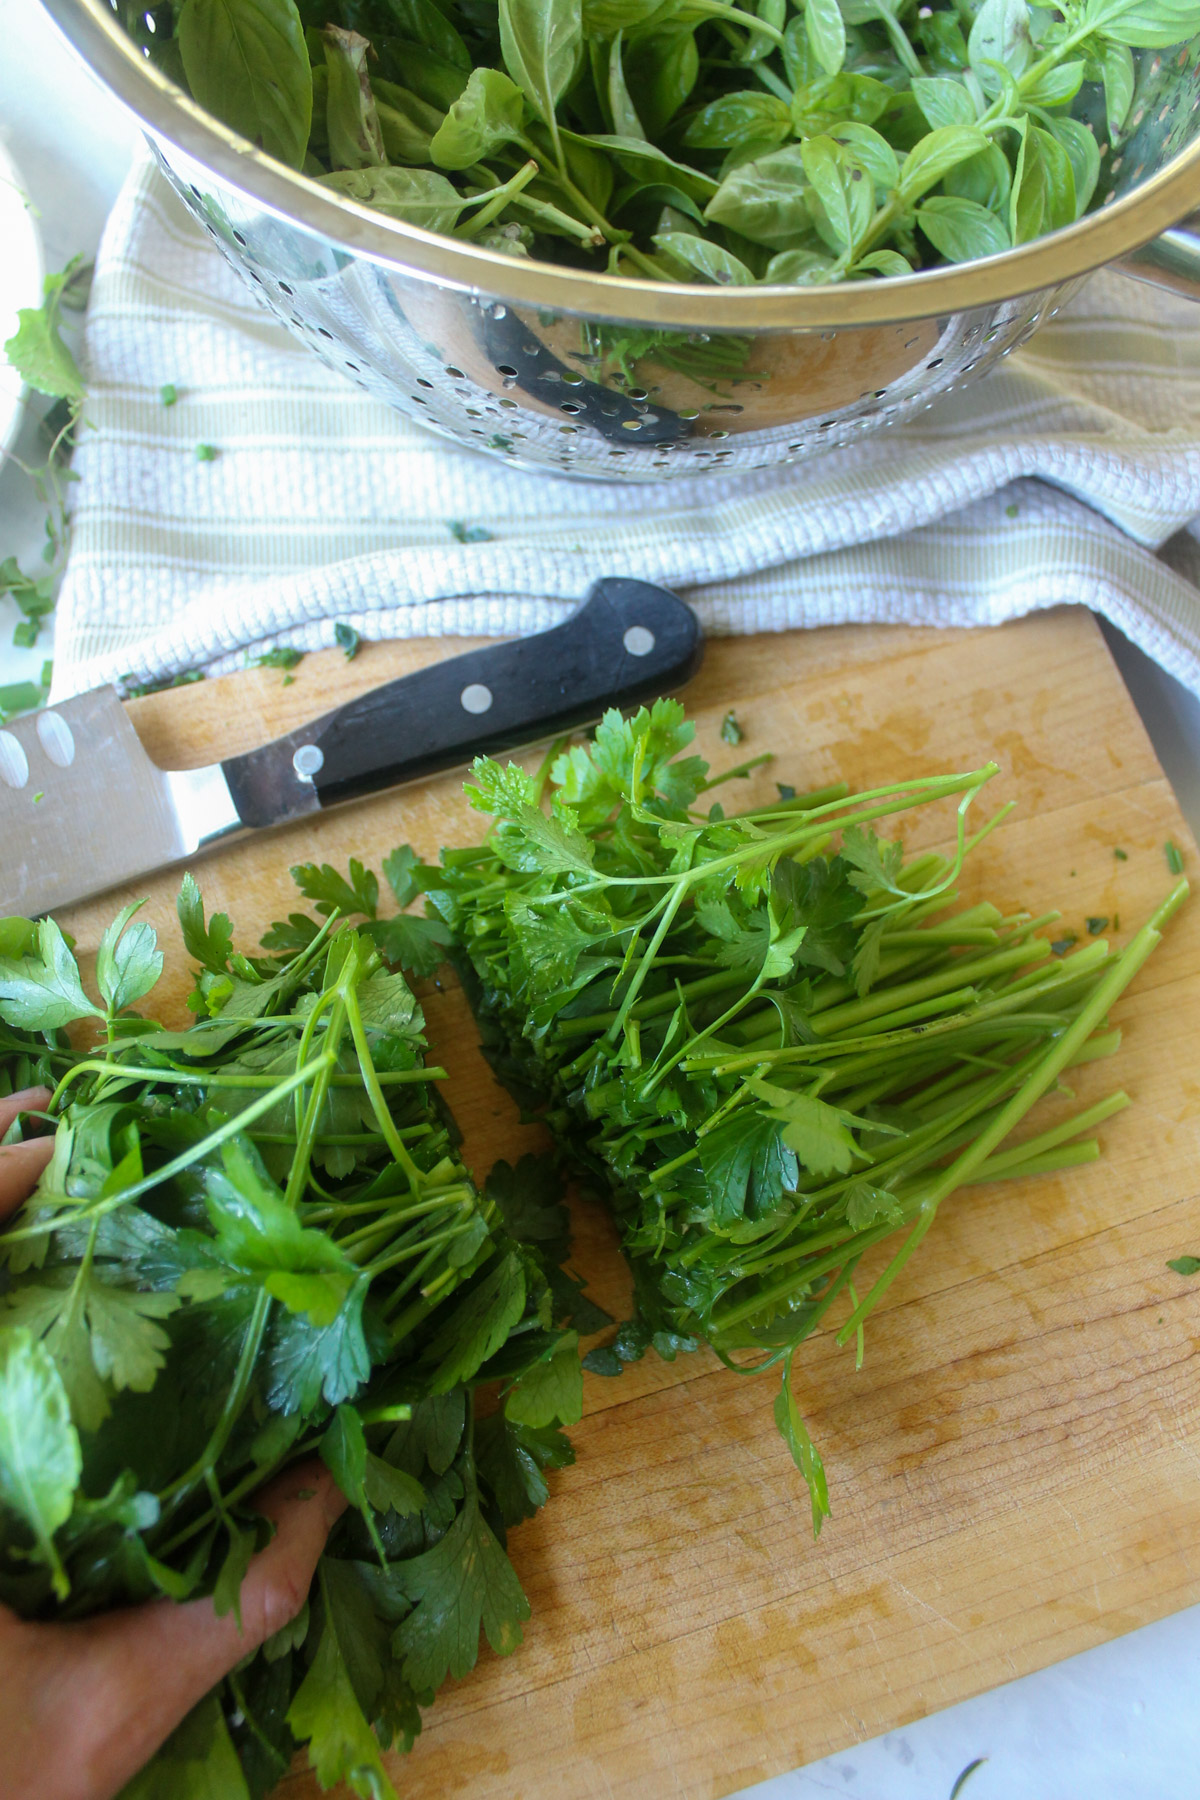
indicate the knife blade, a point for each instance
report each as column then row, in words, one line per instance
column 82, row 806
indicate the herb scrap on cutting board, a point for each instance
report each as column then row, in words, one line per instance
column 255, row 1240
column 772, row 1054
column 685, row 140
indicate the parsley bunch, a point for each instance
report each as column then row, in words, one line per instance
column 255, row 1241
column 773, row 1053
column 802, row 141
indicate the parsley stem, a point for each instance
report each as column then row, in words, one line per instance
column 96, row 1209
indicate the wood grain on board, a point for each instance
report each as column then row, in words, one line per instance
column 1014, row 1469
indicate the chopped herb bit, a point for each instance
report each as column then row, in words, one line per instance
column 786, row 790
column 289, row 681
column 469, row 534
column 1185, row 1265
column 137, row 690
column 1174, row 856
column 20, row 697
column 47, row 673
column 206, row 453
column 38, row 796
column 1095, row 926
column 498, row 442
column 966, row 1775
column 1121, row 855
column 1011, row 512
column 283, row 657
column 731, row 731
column 168, row 393
column 1066, row 942
column 347, row 639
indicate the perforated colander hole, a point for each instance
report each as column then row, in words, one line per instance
column 454, row 374
column 324, row 333
column 569, row 406
column 568, row 430
column 718, row 434
column 910, row 342
column 936, row 362
column 239, row 239
column 512, row 405
column 571, row 379
column 631, row 424
column 472, row 412
column 637, row 393
column 285, row 289
column 505, row 369
column 353, row 367
column 689, row 415
column 418, row 399
column 879, row 393
column 421, row 382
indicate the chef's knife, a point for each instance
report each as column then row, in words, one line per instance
column 82, row 807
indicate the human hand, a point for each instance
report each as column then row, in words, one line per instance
column 84, row 1705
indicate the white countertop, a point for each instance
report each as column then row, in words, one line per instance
column 1121, row 1722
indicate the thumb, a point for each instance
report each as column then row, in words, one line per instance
column 107, row 1691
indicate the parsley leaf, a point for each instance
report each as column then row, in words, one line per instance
column 40, row 1459
column 43, row 992
column 463, row 1584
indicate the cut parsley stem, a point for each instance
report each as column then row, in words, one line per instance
column 772, row 1039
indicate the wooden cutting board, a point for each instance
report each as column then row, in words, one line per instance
column 1014, row 1470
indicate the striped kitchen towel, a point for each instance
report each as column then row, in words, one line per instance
column 1070, row 475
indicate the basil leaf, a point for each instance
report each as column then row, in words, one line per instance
column 625, row 121
column 764, row 200
column 1001, row 35
column 541, row 42
column 871, row 152
column 422, row 22
column 407, row 124
column 740, row 121
column 1116, row 72
column 803, row 268
column 419, row 196
column 936, row 155
column 846, row 194
column 985, row 178
column 826, row 33
column 646, row 163
column 834, row 99
column 960, row 229
column 1055, row 87
column 1084, row 155
column 704, row 258
column 489, row 112
column 246, row 62
column 943, row 102
column 351, row 122
column 1142, row 24
column 884, row 262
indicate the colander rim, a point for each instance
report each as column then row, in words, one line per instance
column 169, row 116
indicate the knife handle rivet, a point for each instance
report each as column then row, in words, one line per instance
column 14, row 764
column 638, row 640
column 308, row 761
column 476, row 698
column 56, row 739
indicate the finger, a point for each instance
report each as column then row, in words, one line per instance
column 20, row 1166
column 34, row 1099
column 113, row 1687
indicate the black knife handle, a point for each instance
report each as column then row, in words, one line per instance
column 629, row 641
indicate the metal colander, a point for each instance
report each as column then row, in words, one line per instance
column 601, row 376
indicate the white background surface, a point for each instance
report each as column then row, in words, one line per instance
column 1121, row 1722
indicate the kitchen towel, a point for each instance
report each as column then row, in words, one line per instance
column 1070, row 475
